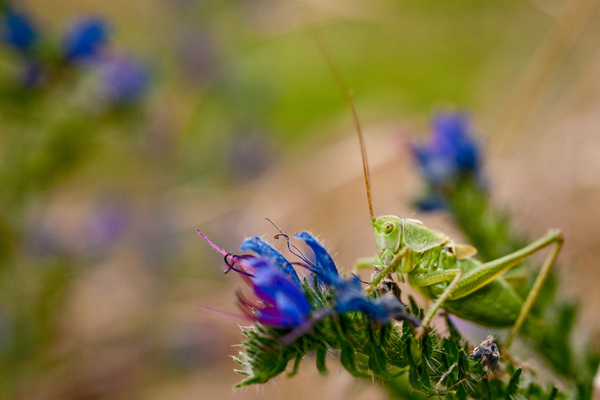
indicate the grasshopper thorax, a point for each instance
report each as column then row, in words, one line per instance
column 388, row 233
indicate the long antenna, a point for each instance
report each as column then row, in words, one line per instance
column 341, row 83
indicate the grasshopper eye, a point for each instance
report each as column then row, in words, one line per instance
column 388, row 227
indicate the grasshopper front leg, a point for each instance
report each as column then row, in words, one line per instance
column 389, row 268
column 365, row 263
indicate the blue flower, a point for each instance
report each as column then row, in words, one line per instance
column 284, row 304
column 124, row 80
column 264, row 249
column 351, row 297
column 451, row 151
column 323, row 264
column 85, row 39
column 18, row 31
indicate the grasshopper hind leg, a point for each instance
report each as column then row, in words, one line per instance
column 554, row 237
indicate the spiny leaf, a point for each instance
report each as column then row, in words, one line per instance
column 511, row 389
column 296, row 365
column 321, row 367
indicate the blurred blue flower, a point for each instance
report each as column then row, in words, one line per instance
column 17, row 30
column 284, row 304
column 451, row 151
column 107, row 223
column 249, row 153
column 264, row 249
column 85, row 39
column 124, row 80
column 33, row 75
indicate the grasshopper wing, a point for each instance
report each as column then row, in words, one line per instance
column 419, row 238
column 464, row 251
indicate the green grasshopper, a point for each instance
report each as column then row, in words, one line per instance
column 438, row 268
column 448, row 274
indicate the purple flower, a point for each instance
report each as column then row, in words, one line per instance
column 33, row 74
column 17, row 30
column 451, row 151
column 107, row 224
column 85, row 39
column 124, row 80
column 284, row 304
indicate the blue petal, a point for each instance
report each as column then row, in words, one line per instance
column 262, row 248
column 452, row 137
column 325, row 267
column 437, row 167
column 451, row 151
column 351, row 297
column 293, row 312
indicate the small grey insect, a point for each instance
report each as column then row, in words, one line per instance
column 488, row 352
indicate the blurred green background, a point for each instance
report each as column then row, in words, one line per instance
column 101, row 272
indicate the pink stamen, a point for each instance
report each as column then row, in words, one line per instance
column 222, row 314
column 220, row 250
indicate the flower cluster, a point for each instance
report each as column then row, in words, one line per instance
column 451, row 155
column 283, row 299
column 84, row 46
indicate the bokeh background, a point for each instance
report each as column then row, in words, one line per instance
column 102, row 274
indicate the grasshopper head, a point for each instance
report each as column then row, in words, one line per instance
column 388, row 232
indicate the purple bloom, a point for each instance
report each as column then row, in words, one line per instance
column 33, row 74
column 17, row 30
column 85, row 39
column 284, row 304
column 451, row 151
column 123, row 79
column 107, row 224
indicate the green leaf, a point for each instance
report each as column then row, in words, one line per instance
column 512, row 387
column 321, row 367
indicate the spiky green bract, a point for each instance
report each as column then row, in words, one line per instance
column 389, row 353
column 550, row 327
